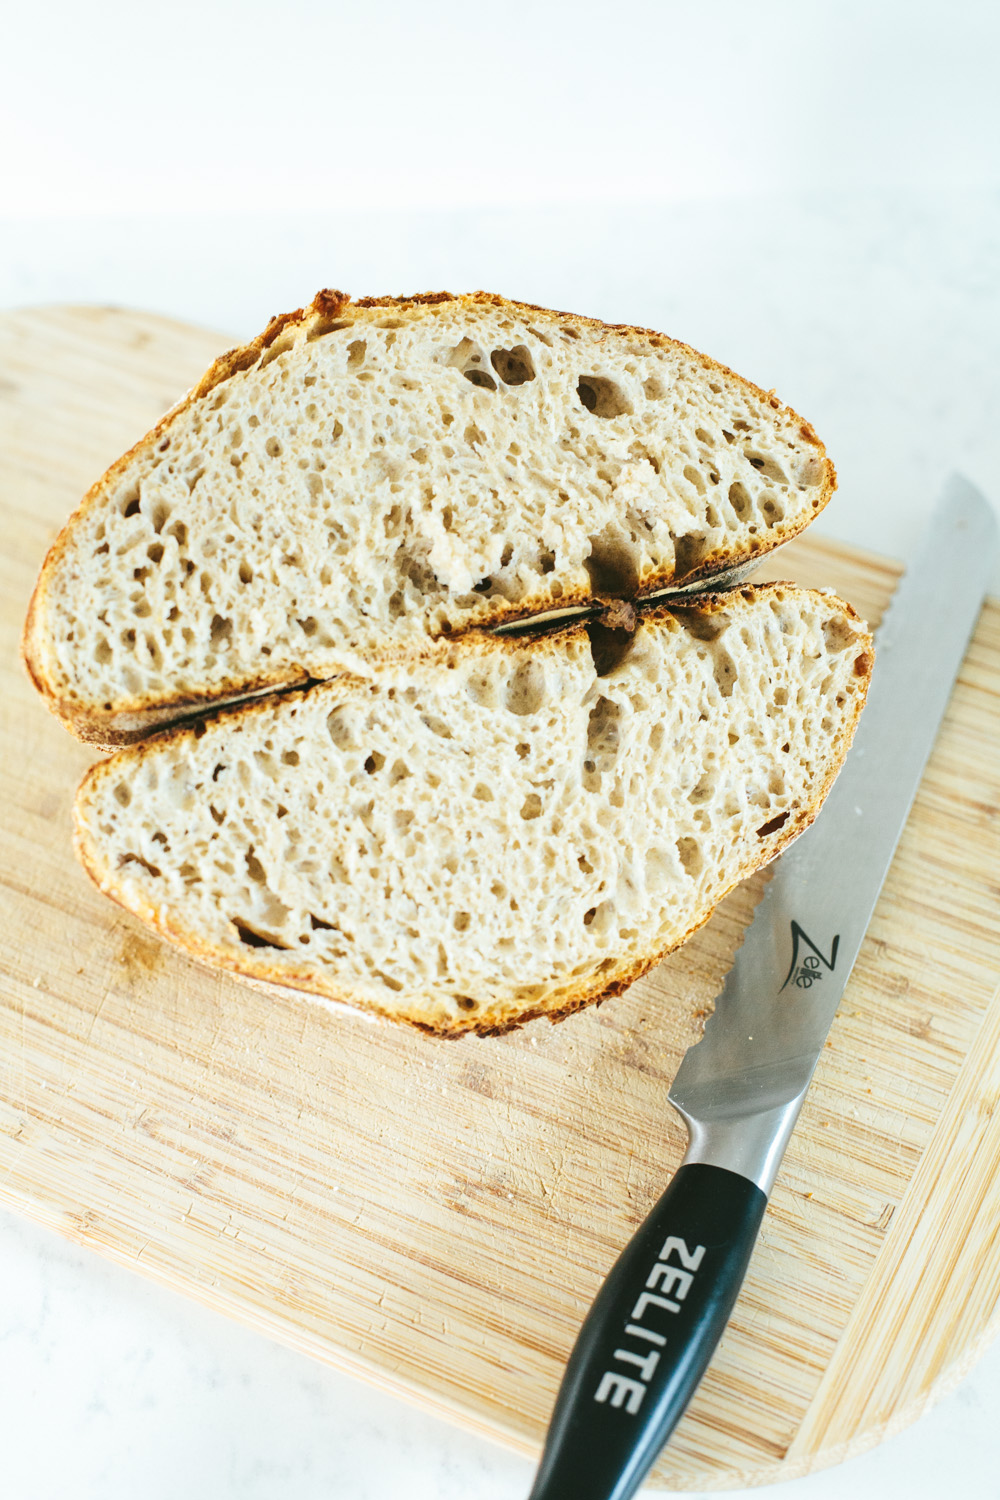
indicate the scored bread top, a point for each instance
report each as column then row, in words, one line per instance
column 515, row 828
column 371, row 478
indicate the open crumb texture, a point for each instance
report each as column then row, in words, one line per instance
column 375, row 477
column 515, row 828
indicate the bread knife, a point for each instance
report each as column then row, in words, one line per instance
column 654, row 1325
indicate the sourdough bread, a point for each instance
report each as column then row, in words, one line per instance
column 369, row 479
column 511, row 828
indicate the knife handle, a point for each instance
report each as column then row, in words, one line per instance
column 649, row 1335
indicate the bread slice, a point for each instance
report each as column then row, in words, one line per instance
column 515, row 828
column 369, row 478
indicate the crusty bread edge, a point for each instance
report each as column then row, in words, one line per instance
column 563, row 1002
column 132, row 719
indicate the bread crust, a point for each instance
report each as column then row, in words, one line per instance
column 125, row 721
column 498, row 1019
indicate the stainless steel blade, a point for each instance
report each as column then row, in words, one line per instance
column 740, row 1088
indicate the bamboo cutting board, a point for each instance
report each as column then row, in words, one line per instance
column 436, row 1218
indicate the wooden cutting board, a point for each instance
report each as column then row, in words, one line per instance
column 436, row 1217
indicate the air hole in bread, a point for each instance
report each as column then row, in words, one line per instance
column 252, row 938
column 767, row 466
column 322, row 326
column 531, row 807
column 131, row 506
column 221, row 632
column 525, row 693
column 689, row 551
column 602, row 396
column 374, row 763
column 319, row 925
column 654, row 388
column 356, row 353
column 481, row 687
column 246, row 573
column 280, row 346
column 773, row 825
column 694, row 477
column 740, row 501
column 123, row 793
column 340, row 727
column 613, row 564
column 608, row 648
column 602, row 743
column 137, row 859
column 704, row 791
column 837, row 634
column 690, row 855
column 601, row 919
column 481, row 379
column 724, row 672
column 436, row 726
column 704, row 627
column 514, row 366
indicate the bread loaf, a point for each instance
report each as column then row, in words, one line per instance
column 504, row 829
column 371, row 479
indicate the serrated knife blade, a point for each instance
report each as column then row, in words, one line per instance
column 651, row 1332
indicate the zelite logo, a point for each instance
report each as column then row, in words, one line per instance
column 806, row 973
column 667, row 1285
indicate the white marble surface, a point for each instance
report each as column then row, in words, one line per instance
column 854, row 266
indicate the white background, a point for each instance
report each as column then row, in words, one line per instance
column 808, row 192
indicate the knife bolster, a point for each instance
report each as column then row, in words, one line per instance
column 750, row 1145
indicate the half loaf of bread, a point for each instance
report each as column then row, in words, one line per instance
column 368, row 478
column 513, row 828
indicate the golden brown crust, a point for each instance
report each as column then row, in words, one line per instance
column 124, row 721
column 496, row 1020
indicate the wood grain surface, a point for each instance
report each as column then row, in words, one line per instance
column 436, row 1217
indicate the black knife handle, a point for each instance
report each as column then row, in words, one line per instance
column 649, row 1336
